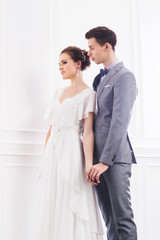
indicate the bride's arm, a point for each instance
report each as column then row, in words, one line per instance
column 88, row 144
column 48, row 135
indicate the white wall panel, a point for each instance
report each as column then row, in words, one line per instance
column 20, row 188
column 150, row 53
column 152, row 200
column 2, row 200
column 27, row 67
column 145, row 185
column 26, row 62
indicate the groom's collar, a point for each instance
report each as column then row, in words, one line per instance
column 113, row 64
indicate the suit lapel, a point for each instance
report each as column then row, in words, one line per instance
column 96, row 81
column 109, row 75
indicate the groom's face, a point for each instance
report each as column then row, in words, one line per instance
column 97, row 53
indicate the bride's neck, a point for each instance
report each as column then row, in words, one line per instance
column 76, row 82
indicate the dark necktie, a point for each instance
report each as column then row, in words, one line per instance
column 103, row 72
column 98, row 78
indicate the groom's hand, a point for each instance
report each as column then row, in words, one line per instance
column 96, row 171
column 88, row 169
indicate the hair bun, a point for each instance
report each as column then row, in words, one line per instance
column 85, row 59
column 83, row 56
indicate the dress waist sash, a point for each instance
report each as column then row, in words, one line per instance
column 66, row 129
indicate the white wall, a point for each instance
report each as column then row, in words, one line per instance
column 32, row 34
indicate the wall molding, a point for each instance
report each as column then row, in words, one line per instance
column 19, row 148
column 8, row 148
column 21, row 165
column 145, row 152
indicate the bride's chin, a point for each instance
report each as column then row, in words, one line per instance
column 64, row 78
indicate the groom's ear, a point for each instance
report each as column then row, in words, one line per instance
column 108, row 46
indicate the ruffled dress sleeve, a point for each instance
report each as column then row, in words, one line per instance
column 87, row 105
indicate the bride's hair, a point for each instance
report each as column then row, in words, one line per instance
column 78, row 54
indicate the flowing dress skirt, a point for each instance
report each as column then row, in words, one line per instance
column 67, row 206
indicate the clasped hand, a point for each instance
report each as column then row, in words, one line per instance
column 93, row 172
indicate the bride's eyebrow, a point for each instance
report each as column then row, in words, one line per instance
column 62, row 61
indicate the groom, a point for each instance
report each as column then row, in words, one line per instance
column 113, row 154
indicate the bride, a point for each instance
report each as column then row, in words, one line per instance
column 67, row 207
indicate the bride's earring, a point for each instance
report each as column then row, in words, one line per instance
column 79, row 72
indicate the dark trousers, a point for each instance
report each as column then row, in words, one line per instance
column 114, row 200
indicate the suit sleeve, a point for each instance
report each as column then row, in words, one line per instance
column 125, row 92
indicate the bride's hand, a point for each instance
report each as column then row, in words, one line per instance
column 88, row 170
column 97, row 170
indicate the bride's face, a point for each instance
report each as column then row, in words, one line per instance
column 67, row 66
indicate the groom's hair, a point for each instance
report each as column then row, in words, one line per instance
column 102, row 36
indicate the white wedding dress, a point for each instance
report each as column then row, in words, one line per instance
column 67, row 206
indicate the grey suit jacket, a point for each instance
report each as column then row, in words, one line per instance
column 115, row 97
